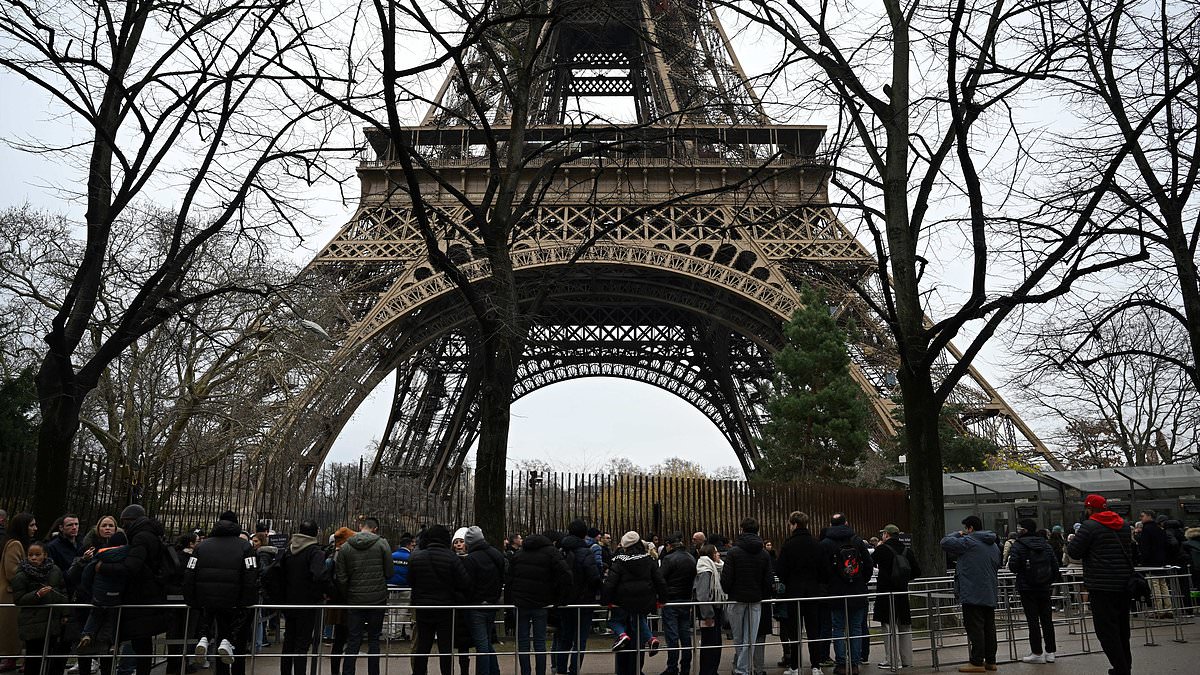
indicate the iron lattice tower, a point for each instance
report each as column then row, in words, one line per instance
column 689, row 295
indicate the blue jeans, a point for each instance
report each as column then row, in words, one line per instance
column 480, row 623
column 848, row 620
column 531, row 623
column 677, row 624
column 570, row 642
column 355, row 620
column 743, row 621
column 620, row 622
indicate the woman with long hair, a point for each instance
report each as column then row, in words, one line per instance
column 22, row 531
column 708, row 590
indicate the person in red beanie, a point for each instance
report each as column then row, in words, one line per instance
column 1104, row 545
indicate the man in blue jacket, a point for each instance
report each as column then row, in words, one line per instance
column 975, row 583
column 400, row 558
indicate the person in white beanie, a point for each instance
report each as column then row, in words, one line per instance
column 635, row 588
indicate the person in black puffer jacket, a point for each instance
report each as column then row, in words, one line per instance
column 634, row 587
column 1032, row 557
column 306, row 581
column 221, row 580
column 538, row 577
column 485, row 566
column 747, row 579
column 438, row 578
column 585, row 563
column 143, row 586
column 678, row 569
column 801, row 569
column 1104, row 545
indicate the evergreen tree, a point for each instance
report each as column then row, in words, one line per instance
column 18, row 413
column 818, row 422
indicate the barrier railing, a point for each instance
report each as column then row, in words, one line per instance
column 935, row 629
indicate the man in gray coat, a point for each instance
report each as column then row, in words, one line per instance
column 975, row 584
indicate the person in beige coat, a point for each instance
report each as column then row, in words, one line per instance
column 21, row 532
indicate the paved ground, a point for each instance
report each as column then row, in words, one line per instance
column 1174, row 650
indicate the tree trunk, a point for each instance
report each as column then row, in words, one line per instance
column 60, row 403
column 491, row 460
column 922, row 412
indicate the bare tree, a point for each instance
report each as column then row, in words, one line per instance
column 1126, row 408
column 929, row 152
column 174, row 99
column 197, row 388
column 1130, row 71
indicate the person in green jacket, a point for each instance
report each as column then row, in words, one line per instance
column 39, row 582
column 362, row 570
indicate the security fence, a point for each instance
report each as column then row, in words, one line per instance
column 937, row 634
column 189, row 494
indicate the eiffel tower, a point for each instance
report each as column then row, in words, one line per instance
column 686, row 294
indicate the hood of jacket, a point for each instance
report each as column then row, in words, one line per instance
column 572, row 542
column 299, row 542
column 268, row 549
column 985, row 537
column 840, row 533
column 225, row 528
column 363, row 540
column 536, row 541
column 143, row 524
column 1192, row 533
column 749, row 542
column 1109, row 519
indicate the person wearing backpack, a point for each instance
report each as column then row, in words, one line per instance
column 897, row 566
column 146, row 569
column 975, row 583
column 584, row 561
column 848, row 569
column 1032, row 560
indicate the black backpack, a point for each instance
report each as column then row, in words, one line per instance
column 901, row 569
column 274, row 580
column 1040, row 565
column 848, row 562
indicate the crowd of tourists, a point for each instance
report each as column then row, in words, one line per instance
column 340, row 586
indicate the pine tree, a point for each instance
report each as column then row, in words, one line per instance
column 818, row 422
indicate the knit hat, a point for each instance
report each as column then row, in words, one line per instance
column 133, row 512
column 630, row 538
column 460, row 533
column 1029, row 525
column 474, row 534
column 228, row 516
column 1095, row 502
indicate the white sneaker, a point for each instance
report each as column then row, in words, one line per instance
column 1049, row 657
column 1034, row 658
column 817, row 671
column 201, row 651
column 226, row 652
column 790, row 671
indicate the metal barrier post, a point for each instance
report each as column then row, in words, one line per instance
column 929, row 622
column 1175, row 587
column 1008, row 619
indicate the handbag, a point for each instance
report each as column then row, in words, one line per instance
column 1136, row 586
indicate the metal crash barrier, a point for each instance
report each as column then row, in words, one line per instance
column 936, row 631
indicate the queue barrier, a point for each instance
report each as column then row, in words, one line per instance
column 936, row 628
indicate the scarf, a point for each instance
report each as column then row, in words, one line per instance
column 36, row 573
column 707, row 564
